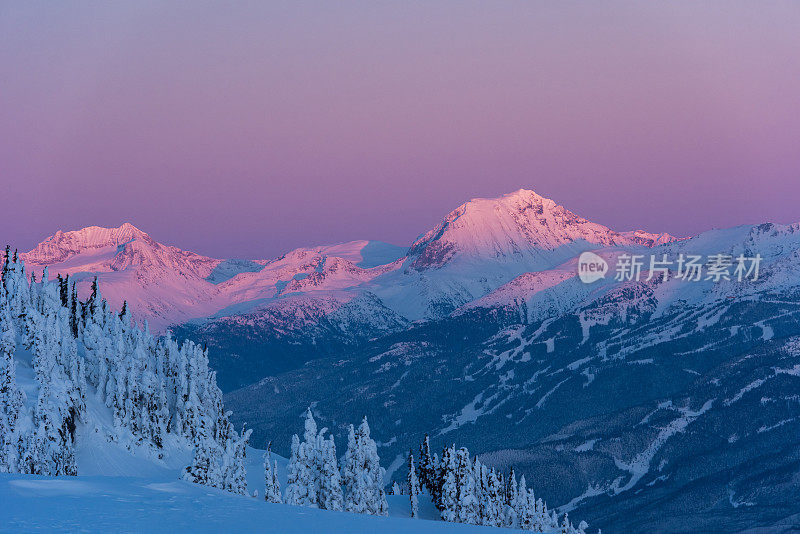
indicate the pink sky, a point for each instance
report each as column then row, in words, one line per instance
column 245, row 129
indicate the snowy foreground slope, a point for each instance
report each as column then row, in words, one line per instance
column 141, row 494
column 164, row 504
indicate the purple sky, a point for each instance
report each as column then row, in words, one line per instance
column 245, row 129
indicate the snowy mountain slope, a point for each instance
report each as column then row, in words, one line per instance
column 719, row 383
column 161, row 284
column 285, row 333
column 486, row 243
column 164, row 504
column 555, row 291
column 525, row 298
column 119, row 479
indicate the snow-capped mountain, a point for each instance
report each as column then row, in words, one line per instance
column 519, row 226
column 166, row 285
column 162, row 284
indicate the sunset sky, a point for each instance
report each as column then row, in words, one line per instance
column 244, row 129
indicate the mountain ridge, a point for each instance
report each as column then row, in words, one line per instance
column 523, row 229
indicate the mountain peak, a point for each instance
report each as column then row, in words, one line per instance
column 516, row 224
column 521, row 194
column 63, row 245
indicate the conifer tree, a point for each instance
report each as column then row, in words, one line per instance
column 493, row 515
column 466, row 501
column 428, row 470
column 363, row 475
column 524, row 513
column 202, row 470
column 234, row 475
column 11, row 399
column 413, row 487
column 330, row 496
column 448, row 500
column 351, row 473
column 272, row 487
column 300, row 487
column 511, row 501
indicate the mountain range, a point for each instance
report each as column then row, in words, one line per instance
column 516, row 233
column 676, row 399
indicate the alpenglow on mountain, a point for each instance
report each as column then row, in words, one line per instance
column 656, row 404
column 167, row 285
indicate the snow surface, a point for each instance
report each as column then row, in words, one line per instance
column 166, row 504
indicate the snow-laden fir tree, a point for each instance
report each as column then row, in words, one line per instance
column 428, row 469
column 202, row 470
column 523, row 511
column 11, row 399
column 511, row 501
column 363, row 474
column 272, row 486
column 467, row 509
column 234, row 474
column 492, row 499
column 448, row 498
column 412, row 483
column 329, row 496
column 300, row 484
column 351, row 471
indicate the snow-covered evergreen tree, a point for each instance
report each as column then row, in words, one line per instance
column 467, row 509
column 493, row 500
column 300, row 485
column 351, row 472
column 524, row 513
column 203, row 469
column 412, row 483
column 272, row 486
column 234, row 474
column 315, row 468
column 511, row 501
column 363, row 474
column 428, row 469
column 448, row 499
column 329, row 496
column 11, row 399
